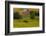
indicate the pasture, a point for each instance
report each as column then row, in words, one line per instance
column 30, row 23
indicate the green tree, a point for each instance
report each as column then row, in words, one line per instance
column 32, row 14
column 17, row 16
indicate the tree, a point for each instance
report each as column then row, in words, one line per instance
column 17, row 16
column 36, row 13
column 32, row 14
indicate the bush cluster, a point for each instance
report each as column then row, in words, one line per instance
column 33, row 14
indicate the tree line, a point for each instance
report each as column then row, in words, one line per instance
column 32, row 15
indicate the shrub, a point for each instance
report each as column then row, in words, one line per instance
column 25, row 21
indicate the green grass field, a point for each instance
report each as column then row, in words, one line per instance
column 30, row 23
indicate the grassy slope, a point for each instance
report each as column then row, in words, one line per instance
column 31, row 23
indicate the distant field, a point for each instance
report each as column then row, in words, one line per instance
column 30, row 23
